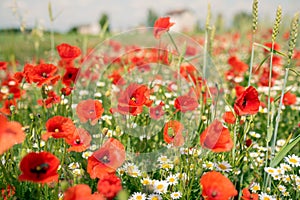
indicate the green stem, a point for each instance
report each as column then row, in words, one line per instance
column 205, row 54
column 269, row 89
column 251, row 64
column 279, row 111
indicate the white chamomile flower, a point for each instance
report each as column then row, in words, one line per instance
column 279, row 170
column 208, row 165
column 286, row 194
column 286, row 179
column 138, row 196
column 172, row 180
column 281, row 188
column 285, row 167
column 176, row 195
column 271, row 170
column 253, row 154
column 163, row 159
column 280, row 142
column 276, row 176
column 264, row 196
column 254, row 187
column 160, row 187
column 74, row 165
column 146, row 181
column 223, row 166
column 86, row 154
column 78, row 172
column 132, row 170
column 184, row 151
column 154, row 197
column 293, row 160
column 182, row 176
column 254, row 134
column 166, row 166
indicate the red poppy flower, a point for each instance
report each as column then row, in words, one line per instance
column 6, row 107
column 133, row 99
column 185, row 103
column 157, row 112
column 229, row 117
column 216, row 186
column 247, row 103
column 239, row 90
column 161, row 26
column 8, row 192
column 66, row 91
column 289, row 99
column 237, row 65
column 80, row 140
column 70, row 76
column 116, row 78
column 248, row 196
column 173, row 133
column 68, row 52
column 269, row 44
column 78, row 192
column 52, row 99
column 3, row 65
column 89, row 110
column 189, row 72
column 109, row 186
column 59, row 127
column 39, row 167
column 43, row 74
column 107, row 159
column 216, row 137
column 11, row 133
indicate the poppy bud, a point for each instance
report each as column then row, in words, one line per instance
column 248, row 142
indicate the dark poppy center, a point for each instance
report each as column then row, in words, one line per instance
column 157, row 112
column 105, row 159
column 40, row 169
column 77, row 141
column 244, row 102
column 70, row 75
column 214, row 194
column 44, row 74
column 133, row 99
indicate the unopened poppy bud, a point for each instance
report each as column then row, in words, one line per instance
column 107, row 93
column 104, row 130
column 248, row 142
column 64, row 185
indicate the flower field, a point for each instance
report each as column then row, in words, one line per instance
column 152, row 114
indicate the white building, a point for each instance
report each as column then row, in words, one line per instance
column 89, row 29
column 184, row 19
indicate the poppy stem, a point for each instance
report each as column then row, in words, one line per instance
column 269, row 85
column 279, row 111
column 234, row 141
column 251, row 62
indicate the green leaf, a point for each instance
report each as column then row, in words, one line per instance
column 262, row 62
column 269, row 49
column 284, row 151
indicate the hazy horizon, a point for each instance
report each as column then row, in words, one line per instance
column 124, row 14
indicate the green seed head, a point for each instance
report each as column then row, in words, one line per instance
column 293, row 36
column 276, row 23
column 208, row 16
column 254, row 15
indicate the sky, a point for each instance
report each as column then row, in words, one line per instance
column 124, row 14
